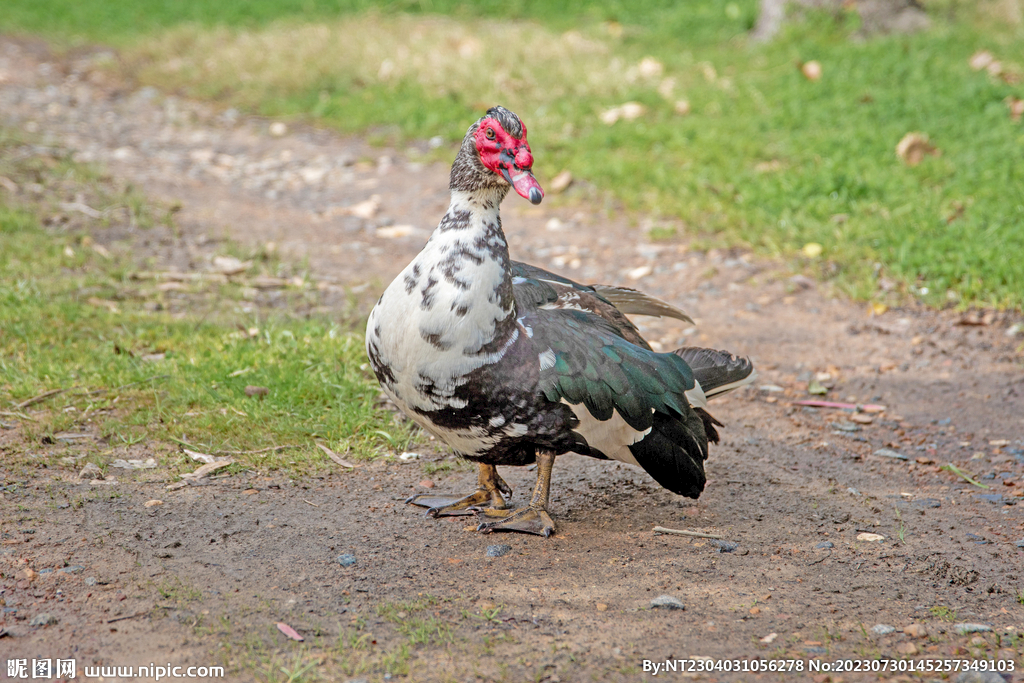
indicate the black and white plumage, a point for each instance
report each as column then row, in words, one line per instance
column 508, row 363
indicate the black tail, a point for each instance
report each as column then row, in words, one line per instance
column 677, row 446
column 674, row 453
column 717, row 371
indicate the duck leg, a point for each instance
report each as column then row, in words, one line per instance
column 533, row 519
column 487, row 496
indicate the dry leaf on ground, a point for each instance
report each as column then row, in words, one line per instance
column 914, row 147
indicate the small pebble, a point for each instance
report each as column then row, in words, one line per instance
column 43, row 619
column 427, row 484
column 1020, row 543
column 498, row 550
column 964, row 629
column 90, row 581
column 73, row 569
column 906, row 648
column 667, row 602
column 724, row 546
column 45, row 571
column 278, row 129
column 887, row 453
column 882, row 629
column 601, row 607
column 915, row 631
column 153, row 503
column 825, row 545
column 346, row 560
column 980, row 677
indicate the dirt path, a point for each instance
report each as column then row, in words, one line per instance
column 204, row 578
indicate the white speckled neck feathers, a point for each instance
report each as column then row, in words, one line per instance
column 450, row 311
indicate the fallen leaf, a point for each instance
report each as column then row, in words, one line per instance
column 560, row 182
column 207, row 469
column 627, row 112
column 981, row 60
column 398, row 231
column 811, row 70
column 650, row 68
column 637, row 273
column 1016, row 106
column 334, row 456
column 288, row 631
column 229, row 265
column 914, row 147
column 816, row 388
column 812, row 250
column 201, row 457
column 365, row 209
column 103, row 303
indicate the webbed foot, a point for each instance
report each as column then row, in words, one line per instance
column 533, row 519
column 488, row 496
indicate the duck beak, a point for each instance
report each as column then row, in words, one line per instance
column 524, row 183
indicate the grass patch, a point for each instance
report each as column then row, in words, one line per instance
column 764, row 157
column 71, row 321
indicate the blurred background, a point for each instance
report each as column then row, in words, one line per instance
column 742, row 122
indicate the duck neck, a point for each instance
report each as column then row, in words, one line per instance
column 467, row 256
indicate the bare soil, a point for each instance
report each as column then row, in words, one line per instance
column 204, row 578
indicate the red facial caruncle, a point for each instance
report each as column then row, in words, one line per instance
column 508, row 156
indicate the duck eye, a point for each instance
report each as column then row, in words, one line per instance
column 489, row 133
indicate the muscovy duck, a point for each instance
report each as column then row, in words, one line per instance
column 509, row 364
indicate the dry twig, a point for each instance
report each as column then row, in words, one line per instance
column 685, row 532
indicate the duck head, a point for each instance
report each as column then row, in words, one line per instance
column 499, row 155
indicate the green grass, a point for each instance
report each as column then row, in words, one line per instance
column 766, row 157
column 138, row 376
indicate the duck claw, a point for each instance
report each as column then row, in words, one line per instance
column 529, row 520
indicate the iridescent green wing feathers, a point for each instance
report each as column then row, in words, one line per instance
column 594, row 365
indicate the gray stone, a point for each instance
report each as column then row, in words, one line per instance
column 888, row 453
column 980, row 677
column 882, row 629
column 90, row 581
column 43, row 619
column 724, row 546
column 964, row 629
column 667, row 602
column 498, row 550
column 825, row 545
column 346, row 559
column 73, row 569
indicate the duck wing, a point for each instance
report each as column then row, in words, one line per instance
column 631, row 403
column 625, row 299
